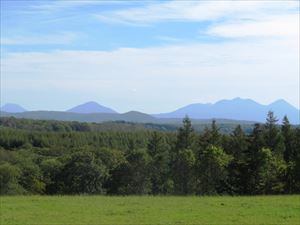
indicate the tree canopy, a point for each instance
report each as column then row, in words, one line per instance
column 80, row 160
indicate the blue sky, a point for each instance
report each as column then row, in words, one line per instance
column 152, row 56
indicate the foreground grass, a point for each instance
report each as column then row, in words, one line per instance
column 134, row 210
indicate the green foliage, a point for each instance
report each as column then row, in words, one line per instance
column 183, row 172
column 270, row 170
column 210, row 136
column 226, row 126
column 9, row 176
column 51, row 168
column 212, row 170
column 238, row 167
column 159, row 169
column 183, row 160
column 83, row 174
column 135, row 173
column 185, row 135
column 273, row 138
column 51, row 157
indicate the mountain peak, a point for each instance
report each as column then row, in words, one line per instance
column 238, row 100
column 91, row 103
column 91, row 107
column 280, row 102
column 12, row 108
column 237, row 108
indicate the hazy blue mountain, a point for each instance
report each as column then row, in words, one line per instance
column 237, row 109
column 242, row 111
column 91, row 107
column 281, row 107
column 12, row 108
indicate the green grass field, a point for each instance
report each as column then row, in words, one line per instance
column 134, row 210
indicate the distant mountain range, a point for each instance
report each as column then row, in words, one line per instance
column 91, row 107
column 236, row 110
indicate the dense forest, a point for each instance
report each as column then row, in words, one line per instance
column 79, row 158
column 225, row 126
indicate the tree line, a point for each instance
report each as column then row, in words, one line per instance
column 225, row 126
column 185, row 162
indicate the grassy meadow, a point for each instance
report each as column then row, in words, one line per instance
column 135, row 210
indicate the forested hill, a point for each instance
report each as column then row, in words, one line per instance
column 225, row 126
column 265, row 161
column 132, row 117
column 74, row 126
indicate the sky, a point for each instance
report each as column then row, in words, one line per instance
column 150, row 56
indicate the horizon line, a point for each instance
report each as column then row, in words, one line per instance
column 188, row 104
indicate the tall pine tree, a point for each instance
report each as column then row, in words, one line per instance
column 273, row 137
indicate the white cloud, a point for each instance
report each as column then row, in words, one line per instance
column 232, row 19
column 278, row 26
column 165, row 77
column 64, row 38
column 262, row 63
column 200, row 11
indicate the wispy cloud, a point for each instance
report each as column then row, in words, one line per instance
column 171, row 75
column 274, row 26
column 200, row 10
column 261, row 60
column 58, row 5
column 114, row 20
column 226, row 18
column 59, row 39
column 169, row 39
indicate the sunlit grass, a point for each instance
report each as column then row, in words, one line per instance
column 135, row 210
